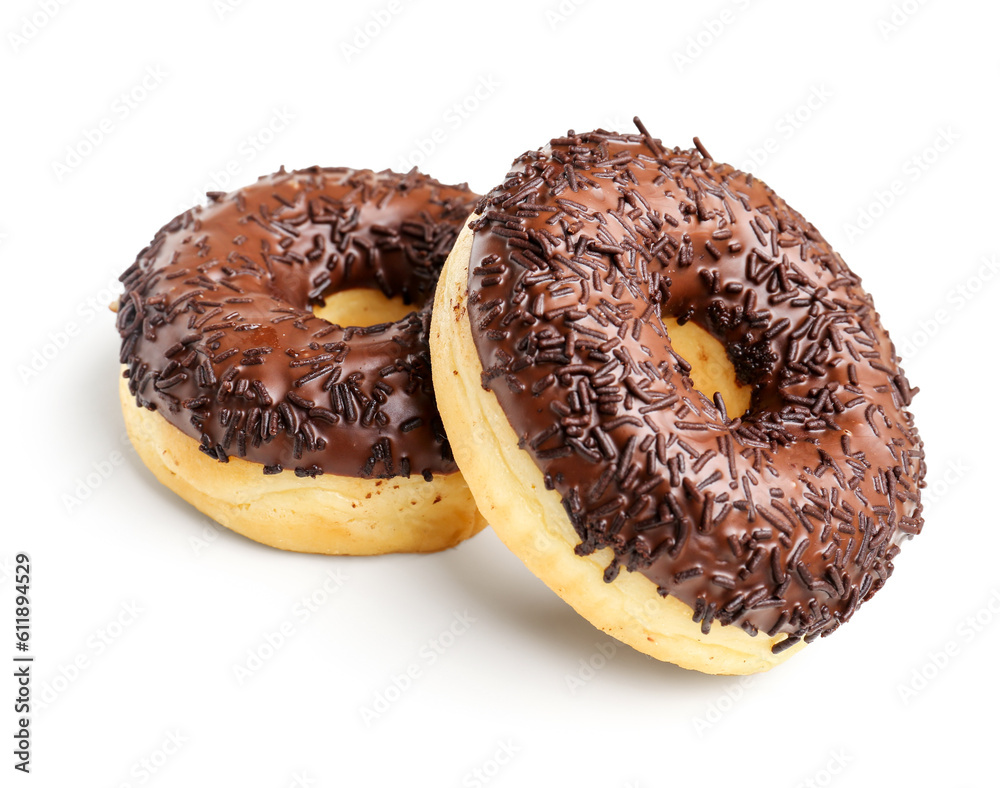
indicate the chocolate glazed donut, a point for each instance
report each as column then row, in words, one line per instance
column 219, row 337
column 783, row 519
column 218, row 332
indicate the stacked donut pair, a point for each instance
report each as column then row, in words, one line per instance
column 637, row 359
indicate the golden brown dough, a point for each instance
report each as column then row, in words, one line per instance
column 337, row 515
column 532, row 522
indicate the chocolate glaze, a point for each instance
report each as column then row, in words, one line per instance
column 784, row 519
column 218, row 334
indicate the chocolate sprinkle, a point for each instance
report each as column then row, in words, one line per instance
column 265, row 378
column 781, row 519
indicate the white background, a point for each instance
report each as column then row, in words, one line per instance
column 877, row 120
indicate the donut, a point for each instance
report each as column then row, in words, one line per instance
column 276, row 372
column 646, row 360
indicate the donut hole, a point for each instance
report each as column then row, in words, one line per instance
column 362, row 307
column 711, row 369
